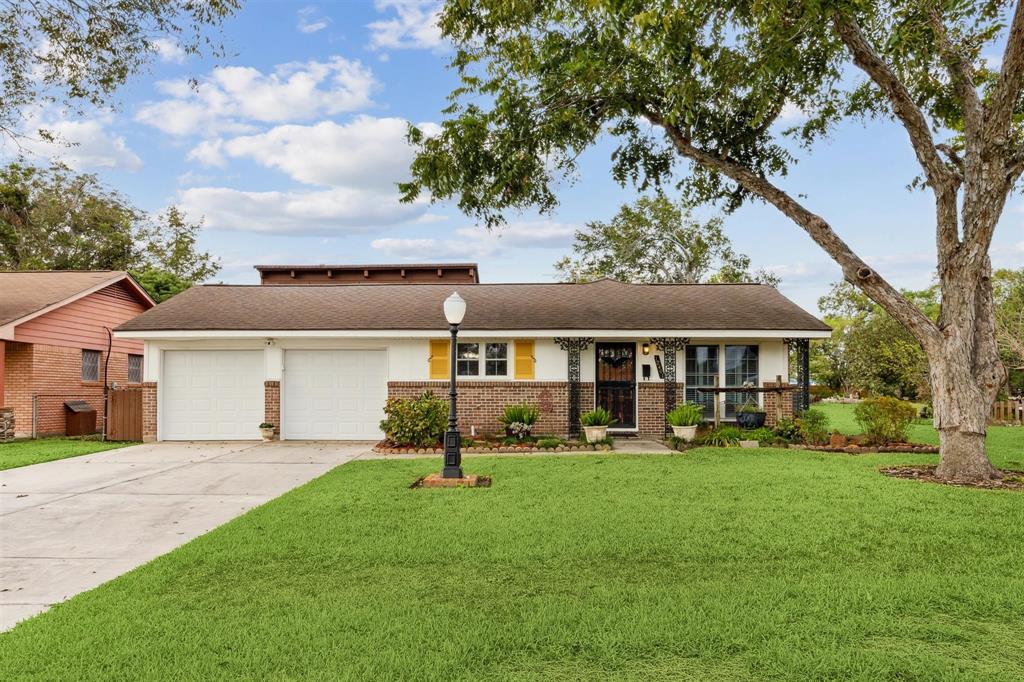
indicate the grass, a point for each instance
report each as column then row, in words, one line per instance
column 24, row 452
column 715, row 564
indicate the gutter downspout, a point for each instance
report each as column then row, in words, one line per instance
column 106, row 387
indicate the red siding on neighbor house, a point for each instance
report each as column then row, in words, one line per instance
column 83, row 323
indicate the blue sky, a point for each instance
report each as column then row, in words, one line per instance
column 291, row 146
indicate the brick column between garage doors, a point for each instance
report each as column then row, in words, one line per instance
column 149, row 393
column 272, row 404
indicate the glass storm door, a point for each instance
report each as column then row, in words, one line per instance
column 616, row 382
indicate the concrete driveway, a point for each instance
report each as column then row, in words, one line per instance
column 70, row 525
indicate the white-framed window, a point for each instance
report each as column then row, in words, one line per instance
column 496, row 359
column 740, row 368
column 481, row 359
column 134, row 369
column 90, row 365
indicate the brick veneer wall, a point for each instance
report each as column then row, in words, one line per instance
column 272, row 404
column 149, row 393
column 650, row 413
column 770, row 400
column 54, row 375
column 481, row 403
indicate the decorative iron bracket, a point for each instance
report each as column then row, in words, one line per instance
column 669, row 347
column 802, row 349
column 574, row 345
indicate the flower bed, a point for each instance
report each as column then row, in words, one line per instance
column 854, row 449
column 386, row 447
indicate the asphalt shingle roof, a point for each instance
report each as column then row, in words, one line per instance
column 23, row 293
column 604, row 304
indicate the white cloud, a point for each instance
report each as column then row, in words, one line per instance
column 310, row 20
column 366, row 152
column 341, row 210
column 230, row 98
column 414, row 25
column 477, row 242
column 169, row 51
column 84, row 144
column 792, row 114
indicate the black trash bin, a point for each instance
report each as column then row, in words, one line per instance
column 80, row 418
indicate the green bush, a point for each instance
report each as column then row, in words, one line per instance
column 597, row 417
column 418, row 422
column 687, row 414
column 787, row 430
column 549, row 442
column 884, row 419
column 813, row 427
column 764, row 436
column 723, row 436
column 523, row 413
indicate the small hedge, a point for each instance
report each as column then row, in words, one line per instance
column 813, row 427
column 885, row 420
column 418, row 422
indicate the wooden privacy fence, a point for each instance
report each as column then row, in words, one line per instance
column 125, row 421
column 1008, row 412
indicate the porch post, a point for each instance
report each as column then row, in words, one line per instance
column 801, row 348
column 669, row 348
column 573, row 346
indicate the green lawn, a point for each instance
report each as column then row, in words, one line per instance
column 708, row 565
column 24, row 452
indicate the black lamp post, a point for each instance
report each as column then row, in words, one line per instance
column 454, row 311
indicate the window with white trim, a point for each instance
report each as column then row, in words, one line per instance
column 740, row 369
column 90, row 365
column 134, row 369
column 494, row 355
column 701, row 372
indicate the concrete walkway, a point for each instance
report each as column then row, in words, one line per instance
column 70, row 525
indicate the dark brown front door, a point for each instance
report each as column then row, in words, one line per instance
column 616, row 382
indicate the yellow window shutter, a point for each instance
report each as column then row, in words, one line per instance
column 525, row 361
column 439, row 359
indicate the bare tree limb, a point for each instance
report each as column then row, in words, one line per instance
column 1007, row 89
column 854, row 268
column 953, row 157
column 865, row 57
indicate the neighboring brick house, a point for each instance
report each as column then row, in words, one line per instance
column 54, row 343
column 319, row 358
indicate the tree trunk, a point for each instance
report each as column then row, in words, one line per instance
column 966, row 375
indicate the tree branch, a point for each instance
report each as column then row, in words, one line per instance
column 1011, row 79
column 865, row 57
column 854, row 269
column 962, row 75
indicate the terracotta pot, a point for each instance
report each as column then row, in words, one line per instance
column 686, row 433
column 595, row 433
column 267, row 434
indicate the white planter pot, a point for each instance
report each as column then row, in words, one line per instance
column 267, row 434
column 686, row 433
column 595, row 433
column 749, row 444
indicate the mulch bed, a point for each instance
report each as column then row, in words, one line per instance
column 865, row 449
column 1011, row 480
column 386, row 447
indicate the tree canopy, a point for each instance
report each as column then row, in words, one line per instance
column 656, row 241
column 74, row 54
column 55, row 219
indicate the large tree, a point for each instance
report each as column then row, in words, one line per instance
column 655, row 241
column 696, row 90
column 55, row 219
column 75, row 53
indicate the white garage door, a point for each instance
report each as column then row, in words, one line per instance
column 333, row 394
column 211, row 395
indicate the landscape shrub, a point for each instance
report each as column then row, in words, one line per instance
column 519, row 419
column 787, row 430
column 764, row 436
column 723, row 436
column 415, row 421
column 549, row 442
column 884, row 419
column 813, row 427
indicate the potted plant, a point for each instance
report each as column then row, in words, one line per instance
column 267, row 431
column 684, row 420
column 749, row 415
column 518, row 420
column 596, row 423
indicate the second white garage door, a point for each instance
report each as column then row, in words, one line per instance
column 333, row 394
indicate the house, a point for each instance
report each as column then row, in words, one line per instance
column 319, row 360
column 55, row 344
